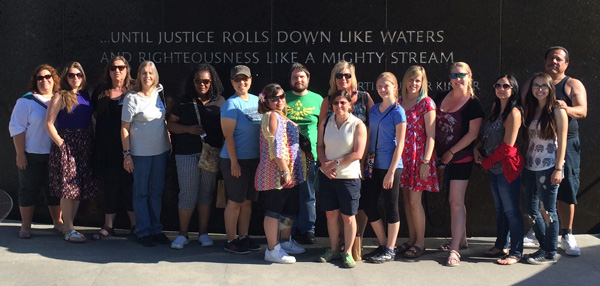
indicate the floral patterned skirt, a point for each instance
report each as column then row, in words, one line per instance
column 71, row 166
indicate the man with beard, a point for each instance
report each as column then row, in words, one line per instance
column 303, row 107
column 572, row 97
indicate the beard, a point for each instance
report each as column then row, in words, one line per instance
column 298, row 88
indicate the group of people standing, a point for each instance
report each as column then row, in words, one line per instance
column 294, row 145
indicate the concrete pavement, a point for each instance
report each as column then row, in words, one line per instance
column 46, row 259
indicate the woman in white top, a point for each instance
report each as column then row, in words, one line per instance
column 340, row 146
column 546, row 146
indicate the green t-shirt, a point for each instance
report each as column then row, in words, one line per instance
column 304, row 110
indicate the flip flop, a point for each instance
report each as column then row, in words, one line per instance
column 414, row 252
column 453, row 259
column 508, row 260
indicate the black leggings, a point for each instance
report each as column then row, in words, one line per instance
column 390, row 197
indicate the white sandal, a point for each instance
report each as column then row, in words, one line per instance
column 74, row 236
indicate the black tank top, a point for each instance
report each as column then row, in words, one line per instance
column 561, row 94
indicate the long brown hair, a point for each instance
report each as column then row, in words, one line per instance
column 69, row 97
column 106, row 86
column 547, row 121
column 270, row 91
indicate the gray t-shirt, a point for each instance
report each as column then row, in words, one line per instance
column 148, row 132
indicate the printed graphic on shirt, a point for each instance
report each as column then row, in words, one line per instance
column 298, row 111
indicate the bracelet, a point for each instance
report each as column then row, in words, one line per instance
column 450, row 150
column 284, row 173
column 126, row 151
column 560, row 170
column 126, row 155
column 425, row 162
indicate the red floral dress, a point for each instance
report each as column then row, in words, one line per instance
column 414, row 147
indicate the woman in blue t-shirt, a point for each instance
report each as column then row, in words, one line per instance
column 387, row 127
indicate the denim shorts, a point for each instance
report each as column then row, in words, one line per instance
column 342, row 194
column 567, row 192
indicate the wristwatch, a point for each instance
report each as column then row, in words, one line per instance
column 337, row 162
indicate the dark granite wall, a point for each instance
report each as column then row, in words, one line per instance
column 494, row 37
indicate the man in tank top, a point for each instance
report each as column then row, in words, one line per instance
column 572, row 97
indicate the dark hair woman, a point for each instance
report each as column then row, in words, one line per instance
column 194, row 116
column 32, row 146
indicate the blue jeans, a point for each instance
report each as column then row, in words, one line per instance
column 307, row 214
column 538, row 188
column 508, row 213
column 148, row 184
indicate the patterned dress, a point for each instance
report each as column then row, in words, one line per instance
column 285, row 145
column 414, row 147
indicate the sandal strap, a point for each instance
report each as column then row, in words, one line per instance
column 455, row 252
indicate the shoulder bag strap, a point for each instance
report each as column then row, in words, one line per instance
column 378, row 124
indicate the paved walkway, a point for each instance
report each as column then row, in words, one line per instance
column 46, row 259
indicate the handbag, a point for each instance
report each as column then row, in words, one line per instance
column 209, row 157
column 371, row 155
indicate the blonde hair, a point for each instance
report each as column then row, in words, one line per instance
column 391, row 78
column 69, row 98
column 469, row 72
column 413, row 72
column 138, row 80
column 338, row 68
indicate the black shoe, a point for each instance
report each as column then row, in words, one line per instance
column 383, row 256
column 147, row 241
column 161, row 238
column 375, row 252
column 249, row 243
column 539, row 260
column 306, row 238
column 236, row 247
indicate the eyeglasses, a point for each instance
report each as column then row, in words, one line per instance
column 42, row 77
column 73, row 75
column 455, row 75
column 542, row 87
column 343, row 75
column 114, row 68
column 503, row 86
column 339, row 102
column 242, row 78
column 202, row 81
column 277, row 98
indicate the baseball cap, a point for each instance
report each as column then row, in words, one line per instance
column 240, row 69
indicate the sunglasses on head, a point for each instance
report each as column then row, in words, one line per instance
column 114, row 68
column 343, row 75
column 42, row 77
column 455, row 75
column 277, row 98
column 503, row 86
column 73, row 75
column 202, row 81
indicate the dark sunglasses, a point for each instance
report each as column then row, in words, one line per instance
column 73, row 75
column 277, row 98
column 202, row 81
column 503, row 86
column 114, row 68
column 343, row 75
column 42, row 77
column 241, row 78
column 455, row 75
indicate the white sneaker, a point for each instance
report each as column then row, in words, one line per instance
column 292, row 247
column 569, row 245
column 179, row 242
column 278, row 255
column 529, row 239
column 205, row 240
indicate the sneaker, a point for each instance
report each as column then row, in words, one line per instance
column 249, row 243
column 541, row 260
column 147, row 241
column 205, row 240
column 179, row 242
column 292, row 247
column 278, row 255
column 383, row 256
column 537, row 258
column 529, row 239
column 236, row 247
column 329, row 255
column 374, row 252
column 569, row 245
column 348, row 261
column 161, row 238
column 306, row 238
